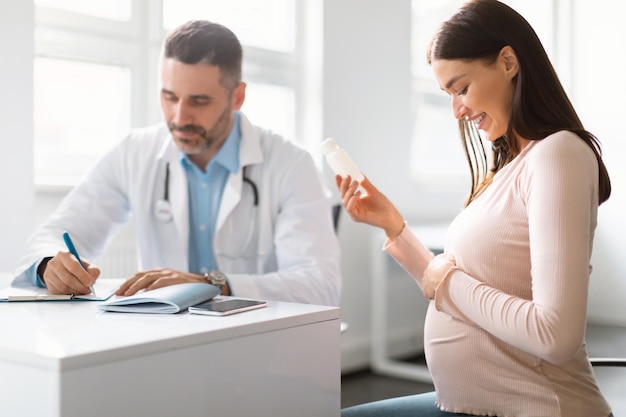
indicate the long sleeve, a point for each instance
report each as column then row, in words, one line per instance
column 410, row 253
column 552, row 223
column 93, row 212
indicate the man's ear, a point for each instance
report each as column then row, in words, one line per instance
column 238, row 96
column 509, row 59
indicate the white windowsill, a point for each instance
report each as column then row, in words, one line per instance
column 55, row 185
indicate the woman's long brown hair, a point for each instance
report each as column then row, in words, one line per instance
column 479, row 30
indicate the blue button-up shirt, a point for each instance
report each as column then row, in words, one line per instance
column 205, row 195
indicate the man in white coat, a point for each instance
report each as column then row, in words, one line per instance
column 214, row 198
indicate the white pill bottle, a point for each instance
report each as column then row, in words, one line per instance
column 339, row 161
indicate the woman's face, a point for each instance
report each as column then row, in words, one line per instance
column 481, row 92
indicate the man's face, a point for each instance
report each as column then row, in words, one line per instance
column 197, row 108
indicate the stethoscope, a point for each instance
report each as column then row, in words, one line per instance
column 163, row 208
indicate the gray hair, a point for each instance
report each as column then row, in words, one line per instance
column 204, row 42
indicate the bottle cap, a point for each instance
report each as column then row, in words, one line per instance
column 329, row 146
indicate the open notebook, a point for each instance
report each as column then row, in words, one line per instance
column 171, row 299
column 23, row 291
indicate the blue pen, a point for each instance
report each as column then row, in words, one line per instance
column 73, row 251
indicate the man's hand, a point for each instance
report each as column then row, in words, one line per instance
column 156, row 278
column 63, row 274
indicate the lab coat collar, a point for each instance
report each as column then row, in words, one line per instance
column 250, row 148
column 250, row 153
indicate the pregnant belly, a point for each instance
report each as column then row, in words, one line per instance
column 451, row 346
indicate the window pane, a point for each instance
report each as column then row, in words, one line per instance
column 540, row 16
column 265, row 24
column 271, row 107
column 80, row 110
column 436, row 149
column 110, row 9
column 427, row 16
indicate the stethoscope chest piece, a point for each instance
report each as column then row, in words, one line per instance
column 163, row 211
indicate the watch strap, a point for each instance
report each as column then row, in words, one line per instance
column 217, row 278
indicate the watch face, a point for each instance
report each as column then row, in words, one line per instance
column 218, row 277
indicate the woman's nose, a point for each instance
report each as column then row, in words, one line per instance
column 458, row 109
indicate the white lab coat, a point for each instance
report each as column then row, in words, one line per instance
column 283, row 249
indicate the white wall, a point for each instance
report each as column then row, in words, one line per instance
column 16, row 130
column 367, row 110
column 599, row 91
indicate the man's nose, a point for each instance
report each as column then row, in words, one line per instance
column 182, row 114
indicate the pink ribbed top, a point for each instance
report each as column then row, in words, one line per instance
column 504, row 335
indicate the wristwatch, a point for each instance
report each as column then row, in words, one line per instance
column 217, row 278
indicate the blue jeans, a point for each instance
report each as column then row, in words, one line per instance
column 421, row 405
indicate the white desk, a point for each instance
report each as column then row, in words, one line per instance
column 381, row 361
column 68, row 359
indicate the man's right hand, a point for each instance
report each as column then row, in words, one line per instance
column 63, row 274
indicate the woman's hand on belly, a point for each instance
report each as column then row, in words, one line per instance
column 435, row 272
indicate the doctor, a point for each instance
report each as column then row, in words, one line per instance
column 214, row 198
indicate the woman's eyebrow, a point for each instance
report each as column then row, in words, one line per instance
column 453, row 80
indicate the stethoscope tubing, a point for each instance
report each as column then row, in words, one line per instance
column 163, row 208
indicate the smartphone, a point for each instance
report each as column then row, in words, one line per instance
column 226, row 307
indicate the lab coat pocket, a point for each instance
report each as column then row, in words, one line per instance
column 239, row 235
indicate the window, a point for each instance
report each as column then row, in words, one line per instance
column 111, row 9
column 96, row 75
column 249, row 19
column 437, row 157
column 79, row 106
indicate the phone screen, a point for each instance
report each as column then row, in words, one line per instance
column 225, row 307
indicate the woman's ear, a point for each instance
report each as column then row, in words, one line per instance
column 509, row 59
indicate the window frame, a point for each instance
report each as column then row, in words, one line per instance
column 136, row 44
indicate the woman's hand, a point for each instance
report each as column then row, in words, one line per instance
column 435, row 272
column 371, row 206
